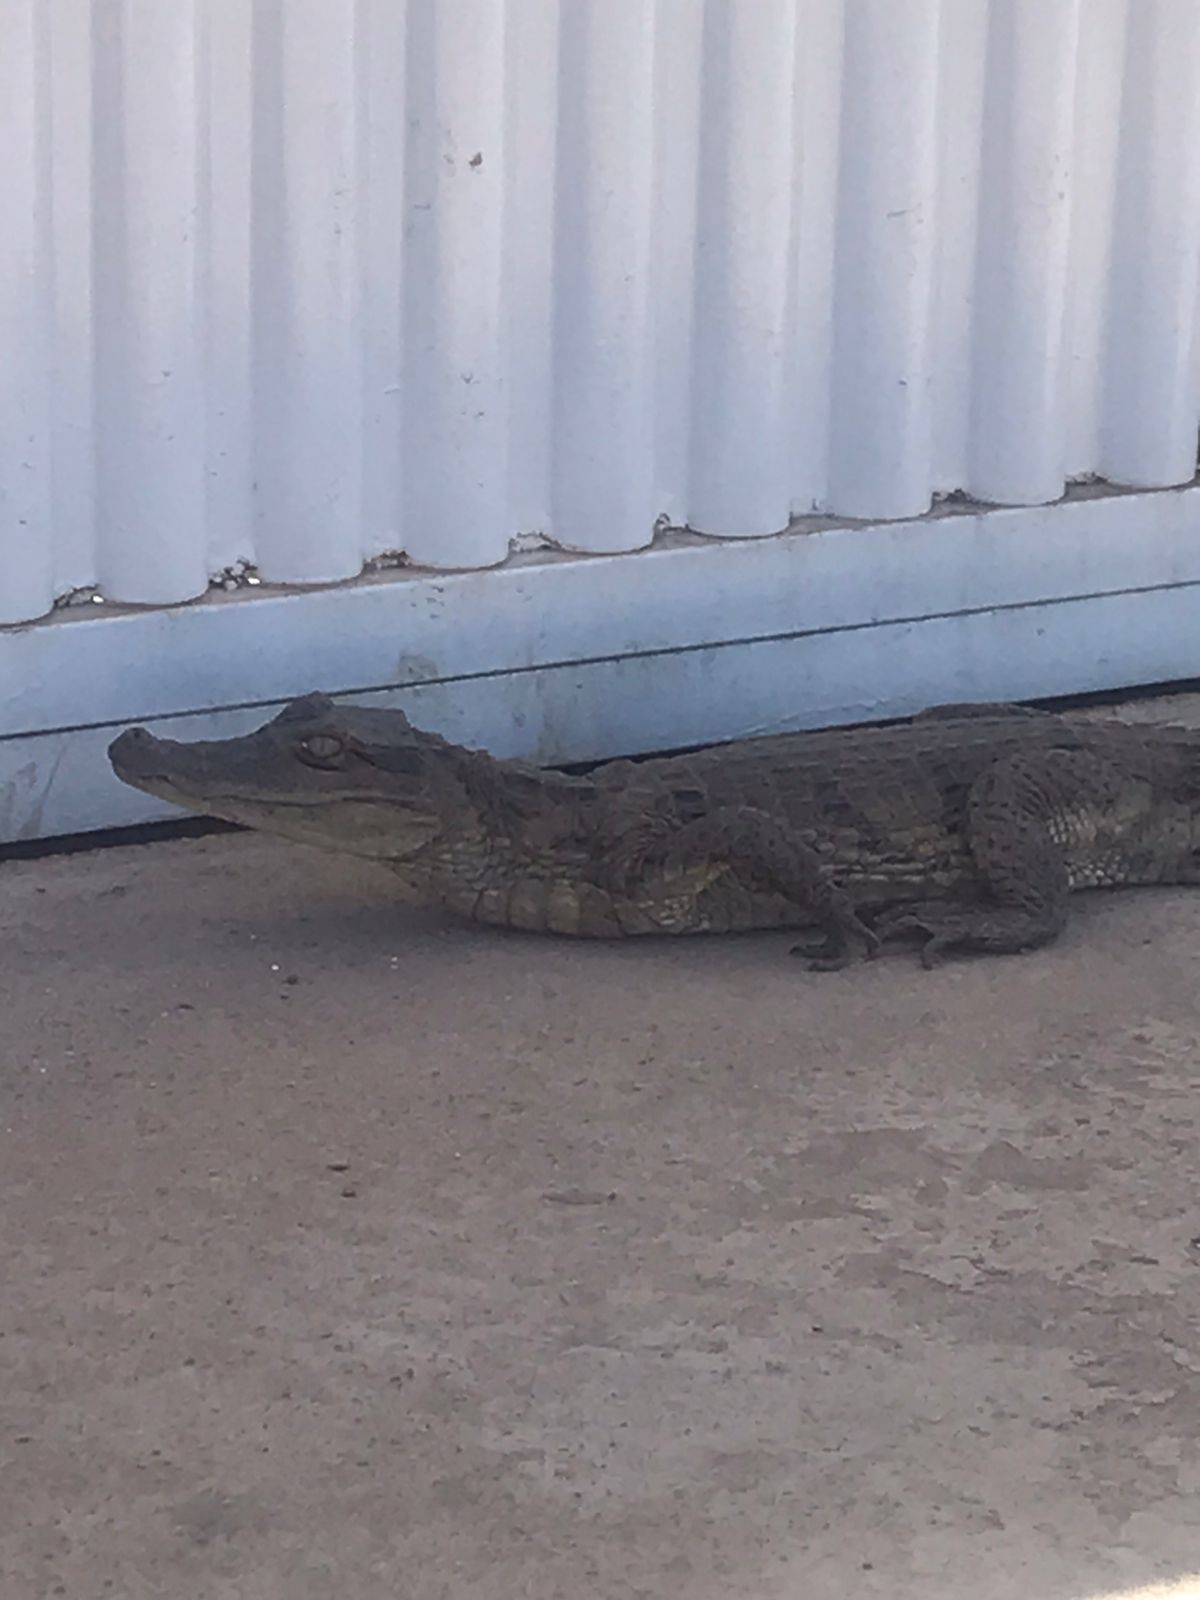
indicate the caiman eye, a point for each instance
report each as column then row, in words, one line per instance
column 322, row 750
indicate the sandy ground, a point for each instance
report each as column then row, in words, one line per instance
column 348, row 1252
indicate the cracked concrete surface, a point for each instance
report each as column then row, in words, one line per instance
column 350, row 1252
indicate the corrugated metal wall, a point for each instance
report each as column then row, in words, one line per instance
column 300, row 282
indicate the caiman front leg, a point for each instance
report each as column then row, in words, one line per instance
column 752, row 842
column 1013, row 813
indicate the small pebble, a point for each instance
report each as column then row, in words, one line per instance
column 579, row 1197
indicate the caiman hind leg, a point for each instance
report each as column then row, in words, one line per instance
column 1014, row 812
column 753, row 842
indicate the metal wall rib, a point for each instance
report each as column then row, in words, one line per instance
column 298, row 284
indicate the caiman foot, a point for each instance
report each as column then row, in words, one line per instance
column 938, row 926
column 992, row 930
column 832, row 951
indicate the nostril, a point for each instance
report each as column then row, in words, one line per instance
column 131, row 741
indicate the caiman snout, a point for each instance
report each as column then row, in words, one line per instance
column 127, row 746
column 138, row 758
column 130, row 739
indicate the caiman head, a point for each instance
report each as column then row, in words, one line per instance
column 336, row 776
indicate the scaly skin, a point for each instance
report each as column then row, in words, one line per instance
column 969, row 826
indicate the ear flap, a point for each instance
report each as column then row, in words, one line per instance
column 405, row 760
column 306, row 708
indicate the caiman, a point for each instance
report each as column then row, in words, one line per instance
column 968, row 826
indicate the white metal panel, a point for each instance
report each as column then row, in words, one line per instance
column 528, row 262
column 680, row 100
column 880, row 446
column 689, row 642
column 453, row 392
column 543, row 612
column 579, row 708
column 226, row 69
column 602, row 438
column 819, row 49
column 740, row 481
column 299, row 284
column 1148, row 429
column 962, row 82
column 1096, row 153
column 26, row 552
column 148, row 328
column 1018, row 420
column 309, row 200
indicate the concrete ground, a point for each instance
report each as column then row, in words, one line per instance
column 349, row 1252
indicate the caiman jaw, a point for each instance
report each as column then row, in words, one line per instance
column 161, row 767
column 237, row 780
column 142, row 761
